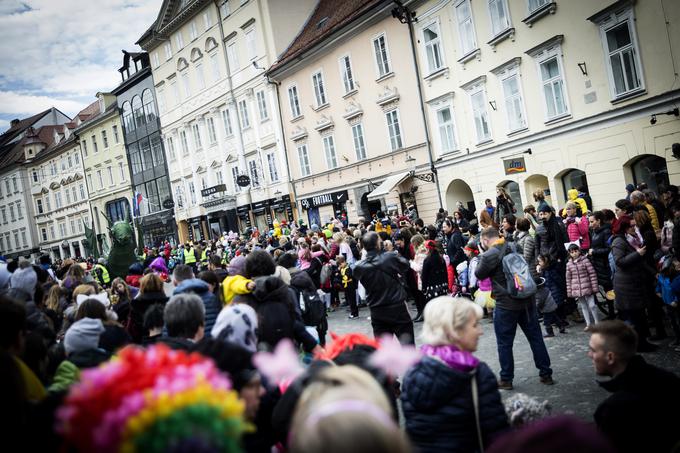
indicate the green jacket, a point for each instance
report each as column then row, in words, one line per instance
column 66, row 375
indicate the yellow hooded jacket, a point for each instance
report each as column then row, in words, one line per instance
column 233, row 285
column 572, row 195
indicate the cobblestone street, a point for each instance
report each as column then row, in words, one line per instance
column 575, row 390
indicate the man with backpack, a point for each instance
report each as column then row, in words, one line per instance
column 513, row 289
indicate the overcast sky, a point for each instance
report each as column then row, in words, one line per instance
column 62, row 52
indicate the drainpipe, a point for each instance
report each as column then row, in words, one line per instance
column 405, row 16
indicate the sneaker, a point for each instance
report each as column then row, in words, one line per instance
column 549, row 335
column 586, row 329
column 504, row 385
column 353, row 316
column 547, row 380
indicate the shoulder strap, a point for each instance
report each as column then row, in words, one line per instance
column 475, row 404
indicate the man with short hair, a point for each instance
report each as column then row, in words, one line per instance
column 184, row 281
column 510, row 312
column 382, row 275
column 641, row 414
column 184, row 317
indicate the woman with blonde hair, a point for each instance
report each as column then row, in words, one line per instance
column 450, row 398
column 485, row 220
column 345, row 409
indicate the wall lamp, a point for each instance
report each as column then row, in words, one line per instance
column 493, row 105
column 582, row 67
column 674, row 112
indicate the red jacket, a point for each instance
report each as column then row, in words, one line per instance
column 581, row 277
column 578, row 231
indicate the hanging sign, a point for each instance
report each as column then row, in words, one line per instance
column 514, row 166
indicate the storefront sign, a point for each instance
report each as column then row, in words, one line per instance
column 243, row 180
column 324, row 199
column 214, row 189
column 514, row 166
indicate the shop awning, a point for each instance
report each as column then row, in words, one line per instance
column 387, row 185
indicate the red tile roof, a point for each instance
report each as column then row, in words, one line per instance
column 10, row 133
column 329, row 16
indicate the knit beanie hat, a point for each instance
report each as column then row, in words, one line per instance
column 237, row 265
column 545, row 208
column 24, row 278
column 83, row 335
column 4, row 276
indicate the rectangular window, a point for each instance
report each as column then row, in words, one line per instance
column 155, row 60
column 68, row 197
column 2, row 243
column 170, row 144
column 52, row 233
column 225, row 10
column 481, row 116
column 74, row 193
column 466, row 28
column 553, row 87
column 394, row 130
column 232, row 57
column 215, row 64
column 105, row 140
column 57, row 198
column 234, row 175
column 197, row 136
column 179, row 40
column 273, row 168
column 433, row 47
column 359, row 144
column 43, row 233
column 161, row 101
column 193, row 31
column 168, row 51
column 34, row 175
column 16, row 239
column 303, row 156
column 115, row 134
column 121, row 171
column 514, row 105
column 212, row 135
column 199, row 76
column 12, row 216
column 382, row 58
column 254, row 174
column 251, row 44
column 82, row 192
column 243, row 113
column 535, row 4
column 89, row 182
column 100, row 179
column 319, row 90
column 346, row 74
column 623, row 63
column 192, row 192
column 186, row 83
column 226, row 121
column 294, row 101
column 329, row 152
column 39, row 206
column 500, row 19
column 207, row 20
column 20, row 212
column 4, row 216
column 219, row 177
column 446, row 130
column 262, row 105
column 175, row 92
column 110, row 172
column 94, row 144
column 185, row 142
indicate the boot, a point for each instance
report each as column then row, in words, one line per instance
column 549, row 332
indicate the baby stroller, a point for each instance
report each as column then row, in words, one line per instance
column 462, row 281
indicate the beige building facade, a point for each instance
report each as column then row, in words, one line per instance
column 354, row 131
column 550, row 95
column 105, row 166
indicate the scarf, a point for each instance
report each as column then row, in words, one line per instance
column 452, row 356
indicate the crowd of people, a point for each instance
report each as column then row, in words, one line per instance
column 187, row 351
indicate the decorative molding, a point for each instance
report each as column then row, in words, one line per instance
column 210, row 44
column 216, row 164
column 442, row 98
column 474, row 82
column 324, row 123
column 554, row 41
column 248, row 23
column 502, row 36
column 548, row 8
column 298, row 133
column 182, row 64
column 196, row 54
column 513, row 62
column 387, row 96
column 476, row 53
column 610, row 10
column 352, row 110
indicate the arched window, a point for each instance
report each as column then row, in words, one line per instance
column 575, row 179
column 138, row 111
column 651, row 170
column 149, row 107
column 512, row 188
column 128, row 121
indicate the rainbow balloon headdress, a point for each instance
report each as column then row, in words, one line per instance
column 153, row 400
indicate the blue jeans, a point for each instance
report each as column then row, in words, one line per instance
column 505, row 324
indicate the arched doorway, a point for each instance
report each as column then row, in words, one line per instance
column 369, row 207
column 459, row 190
column 651, row 170
column 534, row 183
column 512, row 188
column 575, row 179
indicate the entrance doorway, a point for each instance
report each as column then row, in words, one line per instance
column 369, row 208
column 575, row 179
column 651, row 170
column 314, row 217
column 534, row 183
column 512, row 188
column 459, row 190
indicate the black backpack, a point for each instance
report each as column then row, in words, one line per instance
column 275, row 321
column 312, row 307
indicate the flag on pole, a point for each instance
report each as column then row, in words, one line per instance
column 136, row 203
column 91, row 237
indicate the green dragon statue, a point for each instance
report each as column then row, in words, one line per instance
column 122, row 253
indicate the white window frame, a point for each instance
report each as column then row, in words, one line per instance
column 272, row 165
column 184, row 141
column 505, row 75
column 448, row 142
column 226, row 122
column 318, row 84
column 196, row 132
column 329, row 152
column 186, row 83
column 539, row 4
column 251, row 43
column 243, row 114
column 110, row 172
column 175, row 92
column 255, row 180
column 155, row 60
column 207, row 20
column 212, row 132
column 359, row 141
column 294, row 101
column 170, row 145
column 461, row 29
column 193, row 30
column 200, row 76
column 179, row 40
column 215, row 65
column 121, row 169
column 303, row 159
column 550, row 52
column 105, row 141
column 382, row 67
column 232, row 57
column 478, row 116
column 168, row 51
column 506, row 22
column 347, row 73
column 261, row 97
column 614, row 21
column 436, row 46
column 395, row 134
column 234, row 176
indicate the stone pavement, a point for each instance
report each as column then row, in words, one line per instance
column 575, row 390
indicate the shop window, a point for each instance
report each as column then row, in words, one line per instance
column 652, row 170
column 512, row 188
column 575, row 179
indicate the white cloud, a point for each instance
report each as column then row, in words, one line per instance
column 4, row 125
column 21, row 105
column 63, row 52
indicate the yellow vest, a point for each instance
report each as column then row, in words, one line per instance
column 189, row 256
column 105, row 279
column 204, row 257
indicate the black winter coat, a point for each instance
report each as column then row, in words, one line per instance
column 641, row 414
column 382, row 276
column 438, row 408
column 631, row 270
column 599, row 245
column 434, row 275
column 550, row 239
column 454, row 247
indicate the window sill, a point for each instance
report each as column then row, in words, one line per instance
column 485, row 142
column 350, row 93
column 321, row 107
column 476, row 53
column 548, row 8
column 264, row 120
column 502, row 36
column 557, row 119
column 630, row 95
column 297, row 118
column 382, row 78
column 436, row 74
column 517, row 131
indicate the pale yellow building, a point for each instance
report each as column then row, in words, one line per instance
column 354, row 130
column 539, row 94
column 105, row 165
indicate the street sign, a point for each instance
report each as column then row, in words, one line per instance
column 243, row 180
column 214, row 189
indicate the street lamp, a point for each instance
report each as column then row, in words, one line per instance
column 411, row 165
